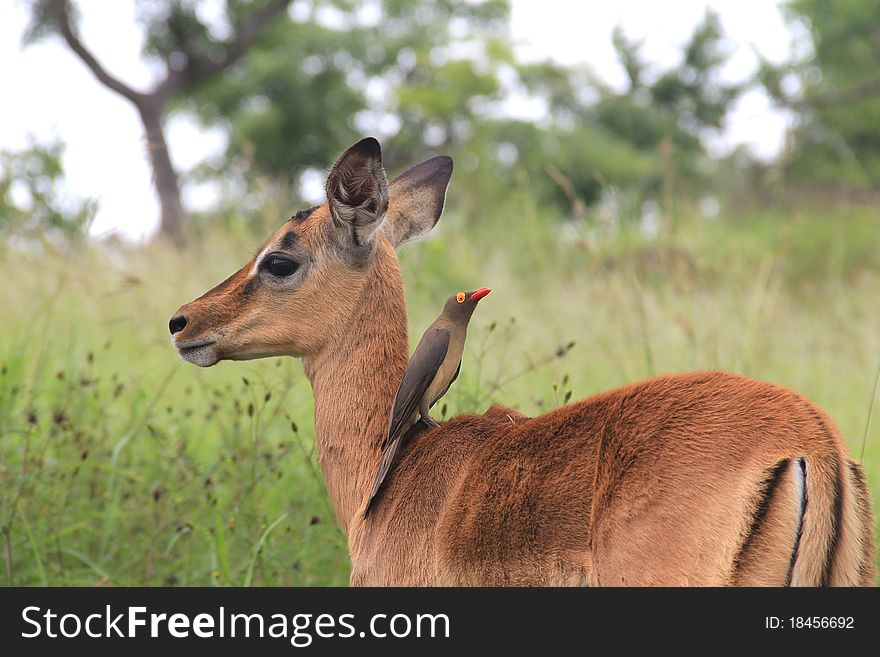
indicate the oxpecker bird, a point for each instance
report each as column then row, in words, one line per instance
column 434, row 365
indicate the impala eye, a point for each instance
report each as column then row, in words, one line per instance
column 279, row 266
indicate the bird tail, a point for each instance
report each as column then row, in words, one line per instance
column 381, row 473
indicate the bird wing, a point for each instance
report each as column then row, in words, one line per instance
column 451, row 381
column 422, row 368
column 420, row 372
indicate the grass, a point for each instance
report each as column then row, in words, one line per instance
column 121, row 465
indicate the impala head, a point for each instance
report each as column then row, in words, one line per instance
column 309, row 278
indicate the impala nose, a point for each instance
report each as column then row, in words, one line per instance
column 176, row 324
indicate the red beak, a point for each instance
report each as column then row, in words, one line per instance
column 479, row 294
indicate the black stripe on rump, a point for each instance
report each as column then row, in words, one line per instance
column 836, row 526
column 759, row 516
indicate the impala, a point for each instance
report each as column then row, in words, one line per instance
column 693, row 479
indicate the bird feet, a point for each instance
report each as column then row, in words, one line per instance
column 428, row 421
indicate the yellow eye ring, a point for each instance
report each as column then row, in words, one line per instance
column 460, row 297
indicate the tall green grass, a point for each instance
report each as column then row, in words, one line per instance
column 121, row 465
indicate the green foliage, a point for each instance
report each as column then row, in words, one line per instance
column 674, row 107
column 426, row 77
column 432, row 76
column 835, row 89
column 286, row 102
column 32, row 201
column 306, row 90
column 286, row 116
column 638, row 140
column 694, row 89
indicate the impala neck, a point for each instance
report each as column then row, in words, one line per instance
column 354, row 380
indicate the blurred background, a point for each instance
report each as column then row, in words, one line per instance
column 647, row 188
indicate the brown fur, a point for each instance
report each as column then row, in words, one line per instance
column 691, row 479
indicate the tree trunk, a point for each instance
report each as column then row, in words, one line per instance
column 200, row 66
column 164, row 176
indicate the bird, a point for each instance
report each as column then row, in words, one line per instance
column 433, row 367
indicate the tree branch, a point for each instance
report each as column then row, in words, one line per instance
column 564, row 183
column 248, row 32
column 60, row 11
column 200, row 66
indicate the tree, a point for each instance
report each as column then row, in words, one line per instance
column 680, row 104
column 191, row 56
column 423, row 75
column 412, row 72
column 833, row 86
column 32, row 202
column 634, row 139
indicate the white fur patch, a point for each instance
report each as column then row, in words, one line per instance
column 800, row 484
column 203, row 356
column 257, row 261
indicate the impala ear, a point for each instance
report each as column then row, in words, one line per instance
column 357, row 191
column 417, row 198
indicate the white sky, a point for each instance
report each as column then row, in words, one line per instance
column 48, row 92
